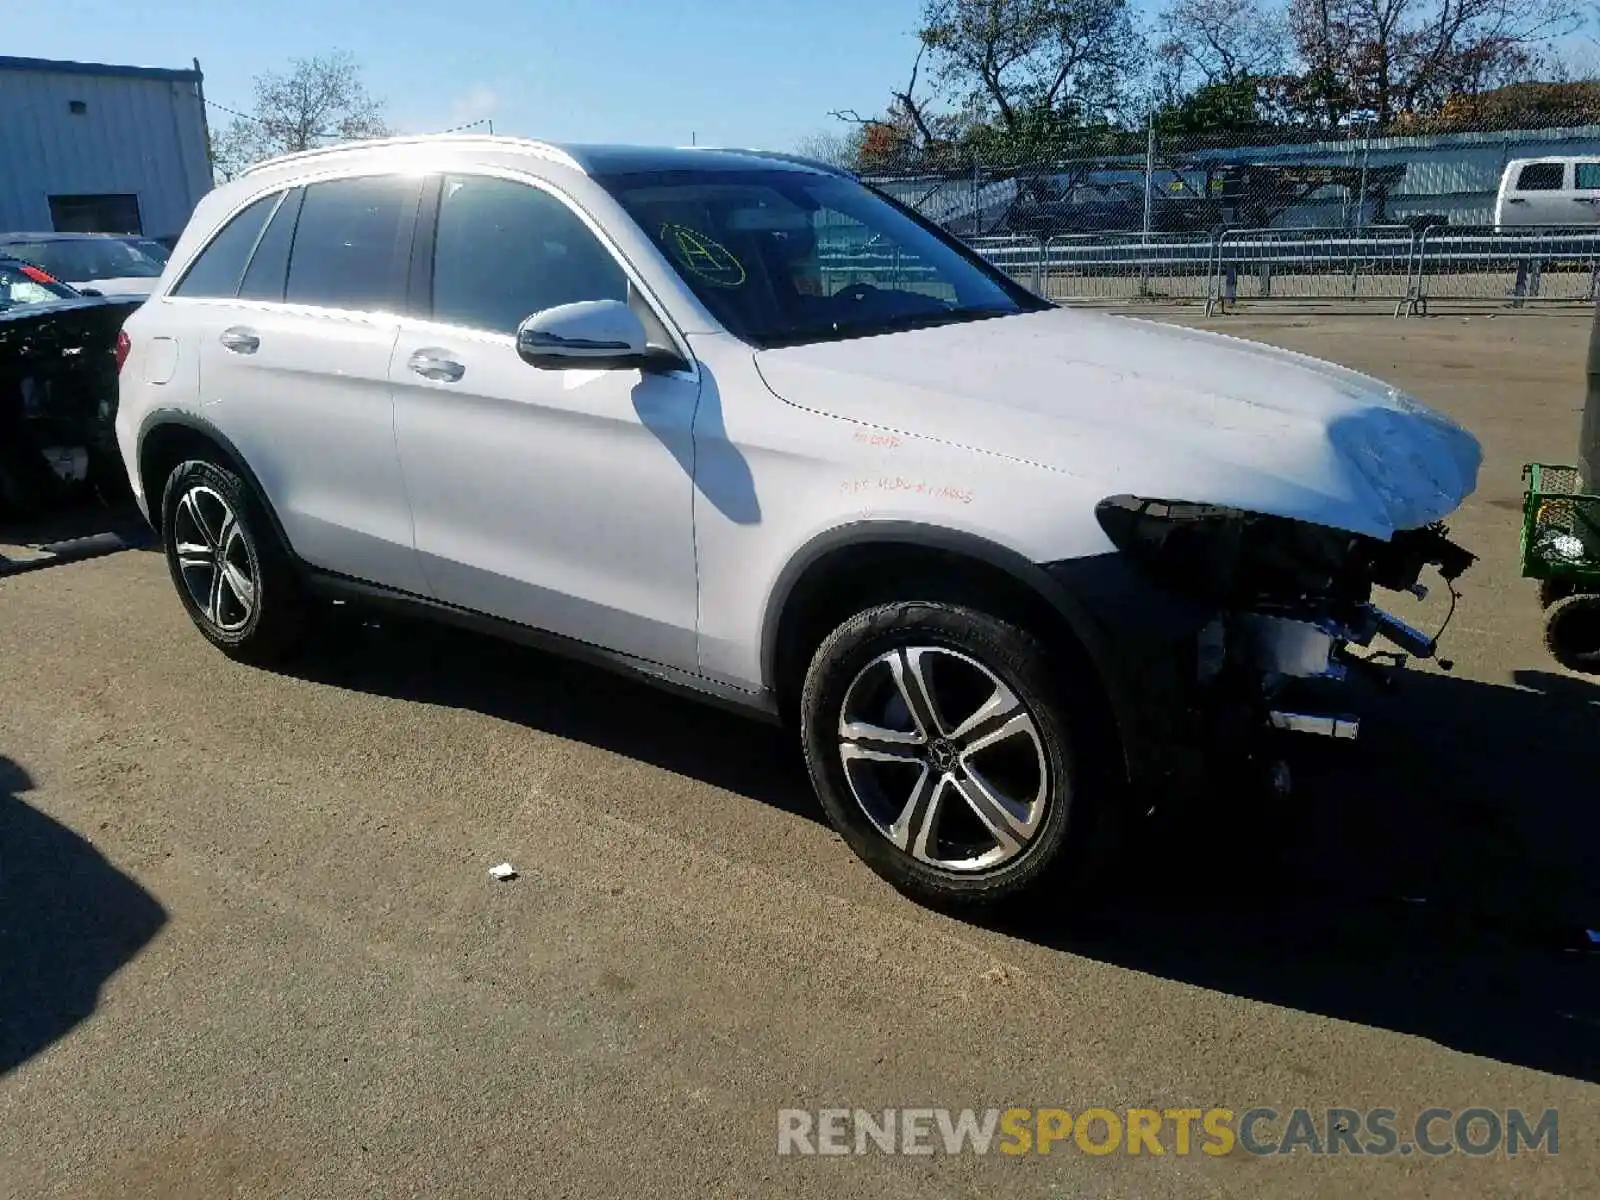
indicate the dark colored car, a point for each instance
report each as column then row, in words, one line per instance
column 58, row 387
column 93, row 263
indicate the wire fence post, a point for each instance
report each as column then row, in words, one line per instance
column 1361, row 195
column 975, row 229
column 1149, row 170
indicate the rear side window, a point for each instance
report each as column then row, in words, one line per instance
column 221, row 264
column 269, row 268
column 1588, row 176
column 506, row 250
column 1540, row 177
column 352, row 243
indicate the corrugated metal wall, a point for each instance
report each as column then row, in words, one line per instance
column 140, row 135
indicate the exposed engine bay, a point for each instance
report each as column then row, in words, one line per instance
column 1281, row 600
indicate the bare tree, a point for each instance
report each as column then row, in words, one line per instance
column 908, row 126
column 1387, row 57
column 317, row 102
column 837, row 148
column 1212, row 42
column 1010, row 60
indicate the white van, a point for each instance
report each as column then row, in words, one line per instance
column 1549, row 191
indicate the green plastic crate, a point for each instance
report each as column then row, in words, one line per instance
column 1557, row 520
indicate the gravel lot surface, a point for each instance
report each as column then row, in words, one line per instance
column 249, row 945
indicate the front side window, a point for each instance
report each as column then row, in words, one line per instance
column 220, row 266
column 506, row 250
column 784, row 257
column 352, row 244
column 1588, row 176
column 1540, row 177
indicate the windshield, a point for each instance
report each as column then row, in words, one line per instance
column 21, row 284
column 151, row 249
column 784, row 257
column 83, row 260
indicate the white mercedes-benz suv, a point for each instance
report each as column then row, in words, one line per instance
column 744, row 425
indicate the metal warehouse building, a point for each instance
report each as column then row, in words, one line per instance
column 89, row 147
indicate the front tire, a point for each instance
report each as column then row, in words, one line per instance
column 235, row 579
column 942, row 749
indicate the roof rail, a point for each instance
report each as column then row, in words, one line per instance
column 543, row 149
column 799, row 160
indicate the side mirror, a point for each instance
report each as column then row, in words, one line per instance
column 599, row 334
column 90, row 292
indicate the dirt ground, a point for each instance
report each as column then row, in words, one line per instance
column 249, row 946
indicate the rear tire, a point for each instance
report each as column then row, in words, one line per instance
column 942, row 749
column 234, row 577
column 1552, row 591
column 1572, row 633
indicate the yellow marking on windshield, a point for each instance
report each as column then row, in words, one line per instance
column 709, row 259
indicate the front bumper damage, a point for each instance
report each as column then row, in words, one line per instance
column 1216, row 620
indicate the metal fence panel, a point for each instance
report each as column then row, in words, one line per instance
column 1517, row 267
column 1128, row 267
column 1315, row 265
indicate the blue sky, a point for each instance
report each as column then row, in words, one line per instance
column 735, row 72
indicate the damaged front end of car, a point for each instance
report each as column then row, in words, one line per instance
column 1239, row 609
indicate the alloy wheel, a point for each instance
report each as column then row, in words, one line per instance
column 944, row 759
column 214, row 559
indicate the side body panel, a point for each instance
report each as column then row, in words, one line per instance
column 771, row 479
column 557, row 499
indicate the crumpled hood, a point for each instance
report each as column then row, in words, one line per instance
column 1151, row 410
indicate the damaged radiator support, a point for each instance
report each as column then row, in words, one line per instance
column 1284, row 647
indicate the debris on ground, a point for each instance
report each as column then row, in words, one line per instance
column 503, row 872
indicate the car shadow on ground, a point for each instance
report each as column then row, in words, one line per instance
column 443, row 665
column 85, row 527
column 1435, row 878
column 69, row 921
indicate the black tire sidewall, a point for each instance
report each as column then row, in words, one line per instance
column 1570, row 632
column 1019, row 661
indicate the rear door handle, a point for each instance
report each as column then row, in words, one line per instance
column 436, row 364
column 240, row 341
column 1516, row 200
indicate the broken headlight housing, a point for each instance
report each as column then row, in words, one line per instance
column 1242, row 560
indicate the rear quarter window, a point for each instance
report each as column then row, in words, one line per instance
column 268, row 271
column 220, row 266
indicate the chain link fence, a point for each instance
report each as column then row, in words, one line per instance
column 1405, row 216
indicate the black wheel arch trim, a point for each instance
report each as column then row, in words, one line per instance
column 1079, row 619
column 167, row 417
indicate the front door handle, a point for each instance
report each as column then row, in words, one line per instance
column 240, row 340
column 436, row 364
